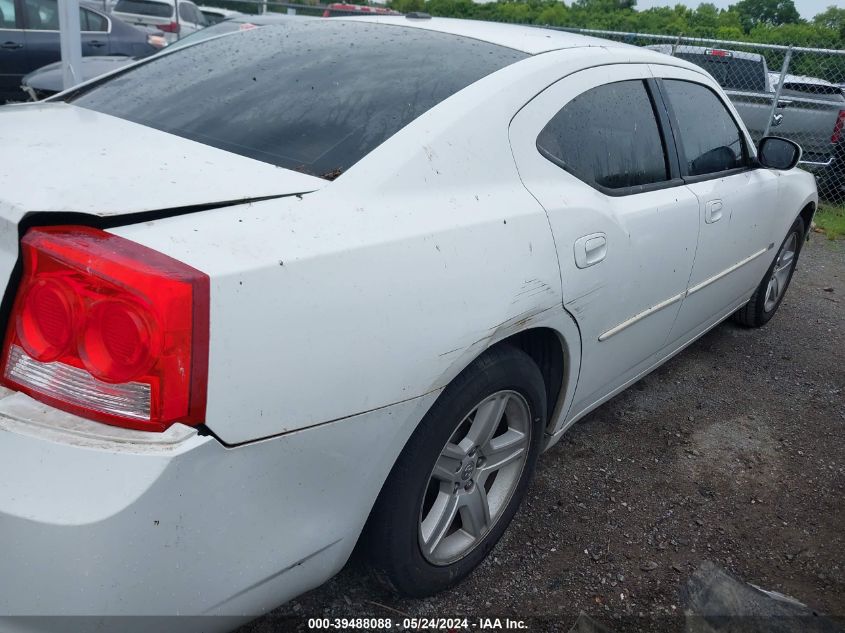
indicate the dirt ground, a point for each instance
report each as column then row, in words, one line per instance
column 731, row 452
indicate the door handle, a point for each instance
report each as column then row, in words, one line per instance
column 590, row 249
column 713, row 211
column 96, row 43
column 11, row 45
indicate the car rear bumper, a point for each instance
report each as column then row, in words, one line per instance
column 115, row 526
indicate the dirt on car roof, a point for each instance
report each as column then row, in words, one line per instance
column 732, row 452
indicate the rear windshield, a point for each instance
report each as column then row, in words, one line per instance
column 315, row 96
column 731, row 72
column 144, row 7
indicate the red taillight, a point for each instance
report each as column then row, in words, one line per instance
column 838, row 127
column 172, row 27
column 718, row 52
column 109, row 329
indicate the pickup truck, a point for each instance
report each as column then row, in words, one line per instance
column 809, row 111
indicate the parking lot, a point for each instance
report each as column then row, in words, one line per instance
column 732, row 452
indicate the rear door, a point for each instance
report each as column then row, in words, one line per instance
column 96, row 33
column 737, row 201
column 593, row 150
column 13, row 51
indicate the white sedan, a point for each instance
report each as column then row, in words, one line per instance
column 342, row 281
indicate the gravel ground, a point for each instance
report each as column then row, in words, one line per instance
column 731, row 452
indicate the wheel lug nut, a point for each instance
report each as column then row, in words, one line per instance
column 468, row 485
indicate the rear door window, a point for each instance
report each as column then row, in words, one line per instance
column 608, row 137
column 710, row 139
column 90, row 21
column 313, row 95
column 189, row 13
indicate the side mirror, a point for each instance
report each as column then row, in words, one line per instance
column 775, row 152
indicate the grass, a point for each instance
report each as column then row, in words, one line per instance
column 831, row 219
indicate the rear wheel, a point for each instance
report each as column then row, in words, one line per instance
column 769, row 294
column 460, row 479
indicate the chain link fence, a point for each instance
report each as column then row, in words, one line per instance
column 794, row 92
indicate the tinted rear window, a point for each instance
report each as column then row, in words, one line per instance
column 315, row 96
column 144, row 7
column 607, row 136
column 731, row 72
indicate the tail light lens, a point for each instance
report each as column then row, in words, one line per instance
column 171, row 27
column 156, row 41
column 109, row 329
column 838, row 127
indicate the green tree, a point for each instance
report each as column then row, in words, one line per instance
column 832, row 18
column 773, row 12
column 766, row 21
column 408, row 6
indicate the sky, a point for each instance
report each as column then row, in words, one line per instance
column 807, row 8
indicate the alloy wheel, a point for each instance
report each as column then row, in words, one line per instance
column 781, row 273
column 474, row 477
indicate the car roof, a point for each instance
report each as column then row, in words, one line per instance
column 528, row 39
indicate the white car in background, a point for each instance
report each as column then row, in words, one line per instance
column 213, row 15
column 161, row 14
column 296, row 303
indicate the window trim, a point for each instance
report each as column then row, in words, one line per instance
column 748, row 162
column 667, row 140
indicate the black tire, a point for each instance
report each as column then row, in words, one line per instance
column 392, row 536
column 754, row 313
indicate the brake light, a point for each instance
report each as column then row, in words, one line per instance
column 838, row 127
column 109, row 329
column 172, row 27
column 718, row 52
column 156, row 41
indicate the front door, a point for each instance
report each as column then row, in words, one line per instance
column 736, row 202
column 591, row 149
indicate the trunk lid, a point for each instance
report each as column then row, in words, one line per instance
column 59, row 158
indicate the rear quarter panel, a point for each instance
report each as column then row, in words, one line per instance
column 381, row 287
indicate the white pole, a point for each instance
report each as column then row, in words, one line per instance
column 71, row 42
